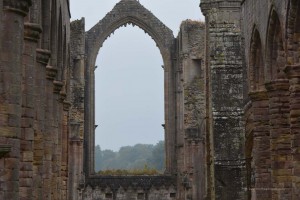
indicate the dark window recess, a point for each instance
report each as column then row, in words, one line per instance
column 140, row 196
column 172, row 195
column 109, row 195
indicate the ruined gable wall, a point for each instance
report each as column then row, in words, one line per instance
column 191, row 111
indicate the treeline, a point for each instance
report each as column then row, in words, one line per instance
column 137, row 157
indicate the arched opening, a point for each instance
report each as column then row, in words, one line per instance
column 122, row 15
column 293, row 32
column 129, row 103
column 275, row 51
column 256, row 63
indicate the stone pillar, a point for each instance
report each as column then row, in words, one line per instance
column 64, row 150
column 75, row 161
column 12, row 38
column 42, row 59
column 281, row 159
column 225, row 99
column 293, row 73
column 261, row 155
column 56, row 138
column 31, row 37
column 49, row 132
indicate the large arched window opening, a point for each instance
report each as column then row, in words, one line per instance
column 163, row 37
column 129, row 102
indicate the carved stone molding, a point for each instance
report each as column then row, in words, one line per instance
column 43, row 56
column 63, row 96
column 57, row 86
column 292, row 71
column 19, row 6
column 32, row 31
column 225, row 5
column 50, row 72
column 277, row 85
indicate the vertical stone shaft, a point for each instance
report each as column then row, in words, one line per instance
column 49, row 132
column 293, row 73
column 261, row 145
column 31, row 37
column 10, row 83
column 64, row 147
column 56, row 138
column 281, row 160
column 40, row 85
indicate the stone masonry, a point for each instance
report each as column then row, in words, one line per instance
column 232, row 102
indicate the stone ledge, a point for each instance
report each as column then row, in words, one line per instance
column 4, row 149
column 144, row 182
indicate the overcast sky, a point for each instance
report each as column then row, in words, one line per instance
column 129, row 77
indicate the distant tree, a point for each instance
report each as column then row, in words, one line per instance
column 157, row 158
column 98, row 158
column 131, row 157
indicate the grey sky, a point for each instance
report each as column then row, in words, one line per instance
column 129, row 77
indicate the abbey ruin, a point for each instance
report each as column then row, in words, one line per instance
column 232, row 102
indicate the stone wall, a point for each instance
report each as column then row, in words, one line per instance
column 191, row 150
column 272, row 57
column 34, row 99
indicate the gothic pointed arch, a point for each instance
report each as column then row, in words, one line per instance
column 130, row 12
column 293, row 31
column 257, row 75
column 275, row 56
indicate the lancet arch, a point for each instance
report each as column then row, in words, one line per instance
column 275, row 57
column 256, row 70
column 130, row 12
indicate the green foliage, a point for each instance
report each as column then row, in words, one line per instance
column 130, row 172
column 140, row 159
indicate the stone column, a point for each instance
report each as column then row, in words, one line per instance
column 281, row 160
column 225, row 98
column 293, row 73
column 56, row 138
column 31, row 36
column 64, row 151
column 261, row 155
column 49, row 132
column 42, row 59
column 75, row 160
column 12, row 21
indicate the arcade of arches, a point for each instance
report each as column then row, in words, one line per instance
column 232, row 102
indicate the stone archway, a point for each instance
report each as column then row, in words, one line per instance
column 129, row 12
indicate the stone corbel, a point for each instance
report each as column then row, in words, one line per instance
column 18, row 6
column 57, row 86
column 292, row 71
column 50, row 72
column 32, row 31
column 66, row 105
column 4, row 149
column 43, row 56
column 63, row 96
